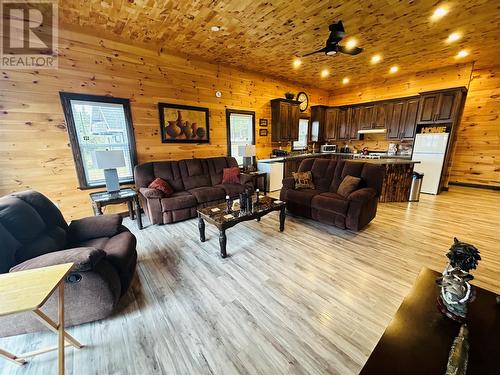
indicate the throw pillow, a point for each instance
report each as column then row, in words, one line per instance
column 162, row 185
column 348, row 185
column 231, row 175
column 303, row 180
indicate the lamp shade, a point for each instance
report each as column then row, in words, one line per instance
column 246, row 151
column 108, row 159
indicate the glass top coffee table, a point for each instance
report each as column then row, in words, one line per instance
column 217, row 215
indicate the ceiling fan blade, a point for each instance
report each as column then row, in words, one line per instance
column 339, row 26
column 318, row 51
column 349, row 51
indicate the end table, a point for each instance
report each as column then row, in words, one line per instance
column 129, row 195
column 256, row 176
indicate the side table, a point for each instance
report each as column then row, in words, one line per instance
column 28, row 291
column 256, row 176
column 129, row 195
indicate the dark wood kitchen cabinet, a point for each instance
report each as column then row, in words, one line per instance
column 366, row 117
column 353, row 118
column 402, row 120
column 382, row 115
column 284, row 120
column 396, row 119
column 317, row 123
column 343, row 124
column 330, row 129
column 439, row 107
column 409, row 123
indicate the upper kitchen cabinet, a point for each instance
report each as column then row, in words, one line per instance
column 382, row 115
column 438, row 107
column 409, row 123
column 318, row 114
column 284, row 120
column 330, row 129
column 343, row 124
column 353, row 119
column 402, row 120
column 366, row 116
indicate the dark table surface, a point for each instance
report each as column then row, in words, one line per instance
column 419, row 337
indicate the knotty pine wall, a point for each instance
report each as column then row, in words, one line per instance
column 34, row 146
column 476, row 157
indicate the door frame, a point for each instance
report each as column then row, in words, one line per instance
column 228, row 125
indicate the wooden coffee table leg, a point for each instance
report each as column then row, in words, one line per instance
column 222, row 242
column 201, row 227
column 282, row 219
column 138, row 215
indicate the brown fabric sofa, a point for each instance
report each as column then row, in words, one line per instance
column 34, row 234
column 324, row 204
column 196, row 183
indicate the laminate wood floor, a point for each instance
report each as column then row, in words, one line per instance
column 311, row 300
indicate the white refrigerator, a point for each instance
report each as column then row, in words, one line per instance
column 430, row 149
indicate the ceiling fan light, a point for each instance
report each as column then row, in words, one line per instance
column 351, row 43
column 331, row 53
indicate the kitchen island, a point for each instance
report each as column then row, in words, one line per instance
column 398, row 171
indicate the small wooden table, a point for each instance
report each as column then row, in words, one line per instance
column 129, row 195
column 256, row 176
column 216, row 215
column 28, row 291
column 418, row 339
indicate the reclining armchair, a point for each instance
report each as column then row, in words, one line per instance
column 34, row 234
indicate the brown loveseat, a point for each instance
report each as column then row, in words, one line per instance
column 324, row 204
column 196, row 183
column 34, row 234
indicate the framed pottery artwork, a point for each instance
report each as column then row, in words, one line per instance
column 263, row 122
column 183, row 123
column 263, row 132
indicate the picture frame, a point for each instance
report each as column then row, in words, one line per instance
column 263, row 122
column 183, row 123
column 263, row 132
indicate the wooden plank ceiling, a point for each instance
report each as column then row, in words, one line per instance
column 266, row 36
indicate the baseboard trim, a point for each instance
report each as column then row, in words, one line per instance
column 479, row 186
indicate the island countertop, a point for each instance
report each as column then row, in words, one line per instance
column 385, row 161
column 346, row 155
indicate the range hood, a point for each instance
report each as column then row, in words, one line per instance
column 372, row 131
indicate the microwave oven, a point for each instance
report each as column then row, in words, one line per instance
column 328, row 148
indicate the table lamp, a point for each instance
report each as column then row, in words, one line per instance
column 109, row 161
column 248, row 152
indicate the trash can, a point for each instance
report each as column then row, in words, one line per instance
column 416, row 185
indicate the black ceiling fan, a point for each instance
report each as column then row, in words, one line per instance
column 332, row 47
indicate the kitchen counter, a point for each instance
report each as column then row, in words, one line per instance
column 385, row 161
column 345, row 155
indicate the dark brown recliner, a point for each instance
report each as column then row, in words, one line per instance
column 324, row 204
column 34, row 234
column 196, row 183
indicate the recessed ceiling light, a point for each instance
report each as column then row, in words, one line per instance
column 345, row 81
column 394, row 69
column 439, row 13
column 375, row 59
column 215, row 28
column 351, row 43
column 297, row 63
column 325, row 73
column 453, row 37
column 461, row 54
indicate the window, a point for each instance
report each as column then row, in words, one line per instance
column 99, row 123
column 240, row 131
column 301, row 144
